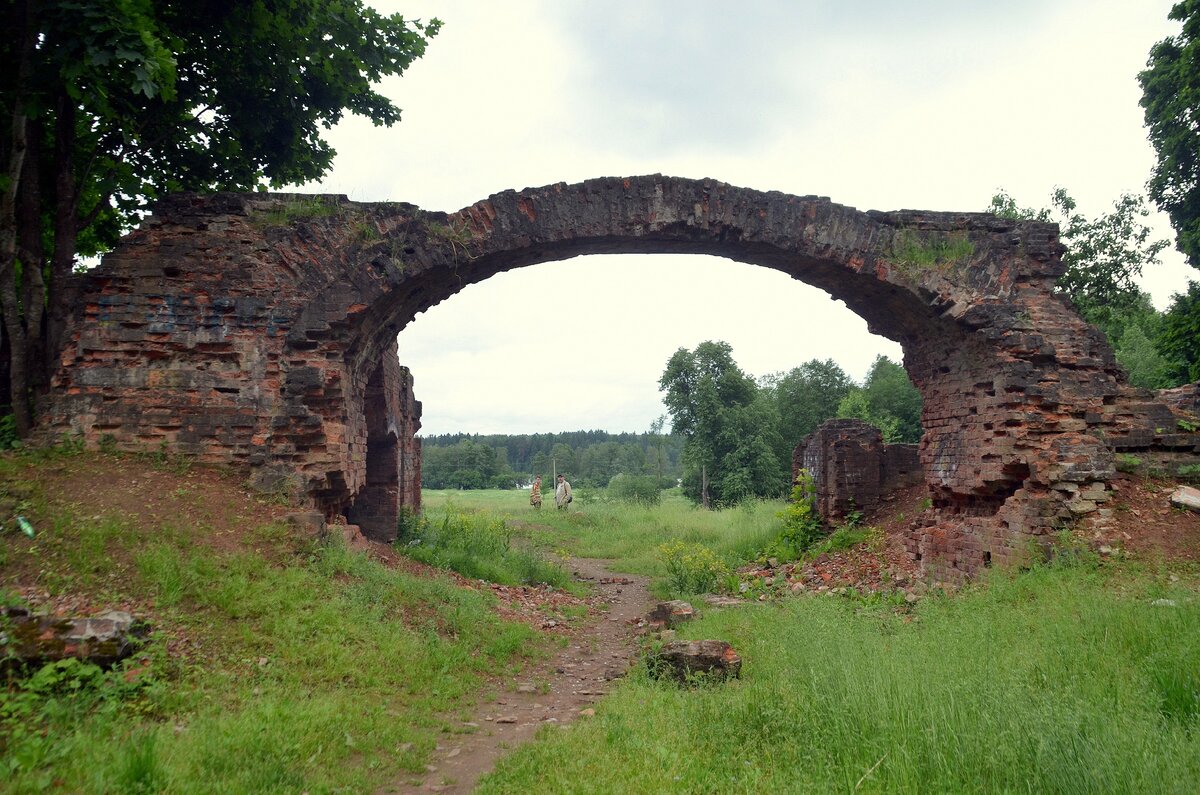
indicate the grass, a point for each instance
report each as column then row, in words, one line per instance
column 479, row 546
column 1067, row 678
column 1059, row 680
column 298, row 207
column 315, row 669
column 311, row 668
column 626, row 533
column 915, row 253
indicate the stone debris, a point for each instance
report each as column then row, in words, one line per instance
column 668, row 615
column 685, row 660
column 31, row 639
column 1186, row 497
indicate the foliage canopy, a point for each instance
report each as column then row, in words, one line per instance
column 108, row 104
column 1171, row 100
column 730, row 427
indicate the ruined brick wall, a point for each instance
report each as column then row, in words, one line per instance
column 851, row 467
column 212, row 333
column 901, row 466
column 1184, row 398
column 259, row 331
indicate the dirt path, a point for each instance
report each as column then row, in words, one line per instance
column 552, row 692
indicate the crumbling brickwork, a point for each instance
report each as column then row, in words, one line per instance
column 259, row 331
column 852, row 469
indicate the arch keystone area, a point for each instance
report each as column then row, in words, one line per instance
column 259, row 331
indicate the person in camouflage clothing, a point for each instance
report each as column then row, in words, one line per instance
column 535, row 493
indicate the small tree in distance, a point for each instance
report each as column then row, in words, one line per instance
column 730, row 429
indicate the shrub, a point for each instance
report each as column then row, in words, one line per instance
column 639, row 489
column 802, row 525
column 692, row 568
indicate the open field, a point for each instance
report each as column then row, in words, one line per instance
column 627, row 534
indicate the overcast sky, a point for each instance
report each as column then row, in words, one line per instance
column 877, row 104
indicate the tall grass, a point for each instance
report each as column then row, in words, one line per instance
column 627, row 533
column 1051, row 681
column 325, row 672
column 480, row 546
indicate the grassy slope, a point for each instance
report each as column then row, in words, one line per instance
column 298, row 667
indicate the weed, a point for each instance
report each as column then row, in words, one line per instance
column 408, row 523
column 640, row 489
column 365, row 231
column 1187, row 426
column 802, row 524
column 8, row 433
column 1128, row 463
column 166, row 459
column 914, row 254
column 70, row 444
column 289, row 209
column 37, row 710
column 477, row 546
column 853, row 519
column 456, row 233
column 692, row 568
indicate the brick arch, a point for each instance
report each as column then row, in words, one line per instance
column 259, row 330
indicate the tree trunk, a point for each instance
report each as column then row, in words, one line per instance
column 66, row 234
column 705, row 502
column 31, row 252
column 18, row 375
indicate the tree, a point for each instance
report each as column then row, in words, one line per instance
column 539, row 464
column 658, row 459
column 1104, row 255
column 1145, row 366
column 1180, row 337
column 1171, row 100
column 111, row 103
column 1103, row 258
column 887, row 400
column 730, row 430
column 807, row 396
column 856, row 405
column 562, row 459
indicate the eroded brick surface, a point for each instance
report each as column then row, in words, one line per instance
column 852, row 469
column 259, row 331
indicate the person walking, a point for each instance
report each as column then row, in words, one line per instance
column 535, row 493
column 562, row 493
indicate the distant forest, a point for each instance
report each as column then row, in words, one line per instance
column 740, row 431
column 587, row 458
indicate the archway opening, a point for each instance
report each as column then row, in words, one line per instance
column 581, row 343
